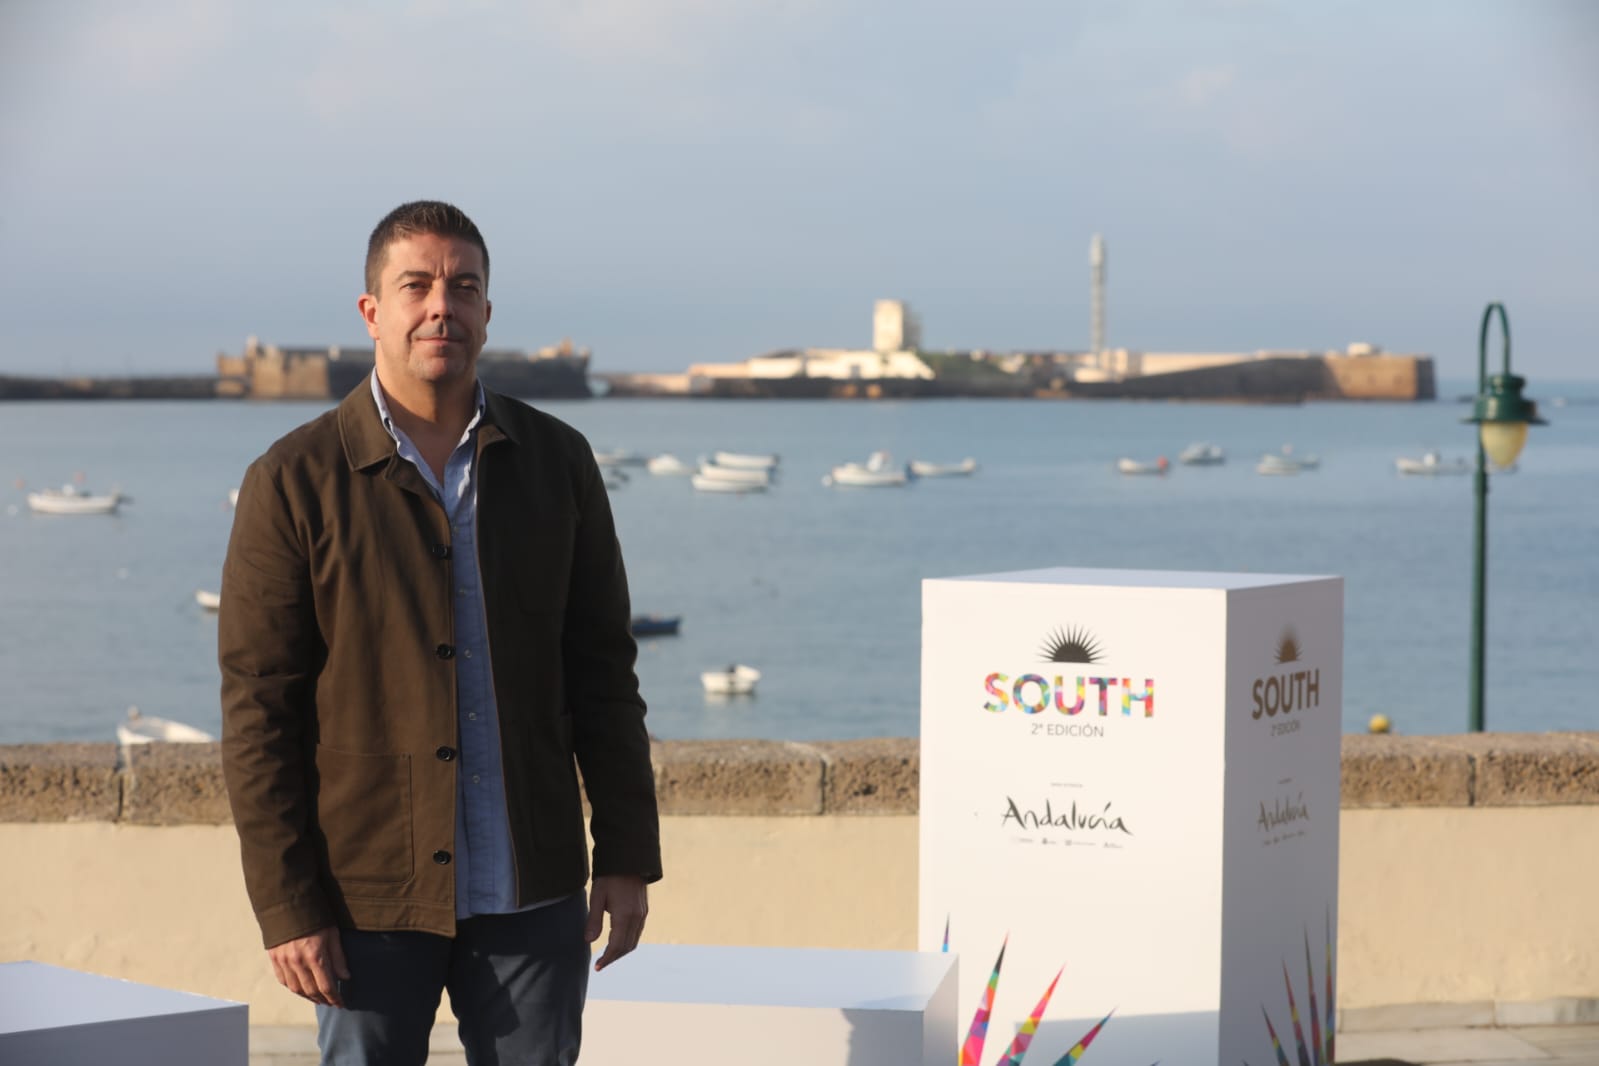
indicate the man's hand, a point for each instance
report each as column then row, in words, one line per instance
column 307, row 966
column 627, row 900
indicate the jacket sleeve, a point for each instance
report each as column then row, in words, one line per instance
column 602, row 692
column 270, row 651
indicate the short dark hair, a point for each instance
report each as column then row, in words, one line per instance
column 408, row 220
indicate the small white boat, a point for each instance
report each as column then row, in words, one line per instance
column 70, row 499
column 703, row 483
column 1285, row 462
column 879, row 471
column 233, row 498
column 964, row 468
column 668, row 465
column 1202, row 454
column 736, row 680
column 146, row 729
column 737, row 475
column 208, row 600
column 744, row 460
column 1139, row 466
column 618, row 458
column 1432, row 464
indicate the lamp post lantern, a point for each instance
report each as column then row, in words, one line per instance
column 1502, row 416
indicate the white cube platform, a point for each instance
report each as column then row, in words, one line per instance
column 66, row 1018
column 732, row 1006
column 1134, row 775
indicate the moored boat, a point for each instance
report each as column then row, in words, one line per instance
column 667, row 465
column 145, row 729
column 1139, row 466
column 1202, row 454
column 1432, row 464
column 706, row 483
column 208, row 600
column 879, row 471
column 736, row 680
column 655, row 625
column 744, row 460
column 70, row 499
column 964, row 468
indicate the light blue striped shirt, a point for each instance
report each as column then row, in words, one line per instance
column 485, row 871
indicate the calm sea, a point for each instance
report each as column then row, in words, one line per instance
column 819, row 588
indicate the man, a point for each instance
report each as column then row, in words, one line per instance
column 424, row 623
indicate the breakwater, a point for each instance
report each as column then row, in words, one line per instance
column 1464, row 890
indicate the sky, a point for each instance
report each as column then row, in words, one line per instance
column 673, row 181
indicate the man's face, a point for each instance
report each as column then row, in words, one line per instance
column 430, row 314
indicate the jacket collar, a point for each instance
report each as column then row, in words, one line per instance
column 367, row 443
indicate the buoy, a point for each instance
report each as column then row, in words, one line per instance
column 1379, row 724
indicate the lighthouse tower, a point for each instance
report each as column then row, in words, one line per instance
column 1096, row 264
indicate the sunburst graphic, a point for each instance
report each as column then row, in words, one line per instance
column 971, row 1051
column 1074, row 645
column 1288, row 649
column 1320, row 1050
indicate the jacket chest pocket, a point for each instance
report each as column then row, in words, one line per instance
column 364, row 815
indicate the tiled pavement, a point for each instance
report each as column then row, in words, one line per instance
column 1557, row 1045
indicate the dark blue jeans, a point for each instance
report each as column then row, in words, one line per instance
column 516, row 984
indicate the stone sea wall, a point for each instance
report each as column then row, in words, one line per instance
column 1467, row 865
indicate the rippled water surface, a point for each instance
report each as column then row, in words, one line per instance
column 820, row 588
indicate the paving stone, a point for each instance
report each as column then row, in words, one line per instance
column 1439, row 1046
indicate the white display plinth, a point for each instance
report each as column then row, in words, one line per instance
column 66, row 1018
column 1134, row 775
column 732, row 1006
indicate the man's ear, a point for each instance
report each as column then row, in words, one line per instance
column 368, row 306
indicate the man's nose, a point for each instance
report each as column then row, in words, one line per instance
column 439, row 304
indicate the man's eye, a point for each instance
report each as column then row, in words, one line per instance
column 411, row 285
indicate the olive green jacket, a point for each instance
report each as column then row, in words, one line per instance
column 338, row 676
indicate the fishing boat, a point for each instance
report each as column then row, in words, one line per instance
column 736, row 680
column 71, row 499
column 1432, row 464
column 208, row 600
column 668, row 465
column 706, row 483
column 1285, row 463
column 744, row 460
column 146, row 729
column 1202, row 454
column 965, row 468
column 1139, row 466
column 655, row 625
column 879, row 471
column 618, row 457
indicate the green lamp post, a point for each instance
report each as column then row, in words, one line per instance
column 1502, row 415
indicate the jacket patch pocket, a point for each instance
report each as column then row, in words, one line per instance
column 364, row 815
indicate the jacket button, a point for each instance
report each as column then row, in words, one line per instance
column 445, row 754
column 441, row 857
column 441, row 551
column 444, row 651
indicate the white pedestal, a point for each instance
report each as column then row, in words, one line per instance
column 732, row 1006
column 1134, row 775
column 65, row 1018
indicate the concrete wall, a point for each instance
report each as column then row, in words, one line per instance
column 1466, row 877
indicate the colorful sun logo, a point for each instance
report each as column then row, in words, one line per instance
column 1288, row 649
column 1075, row 645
